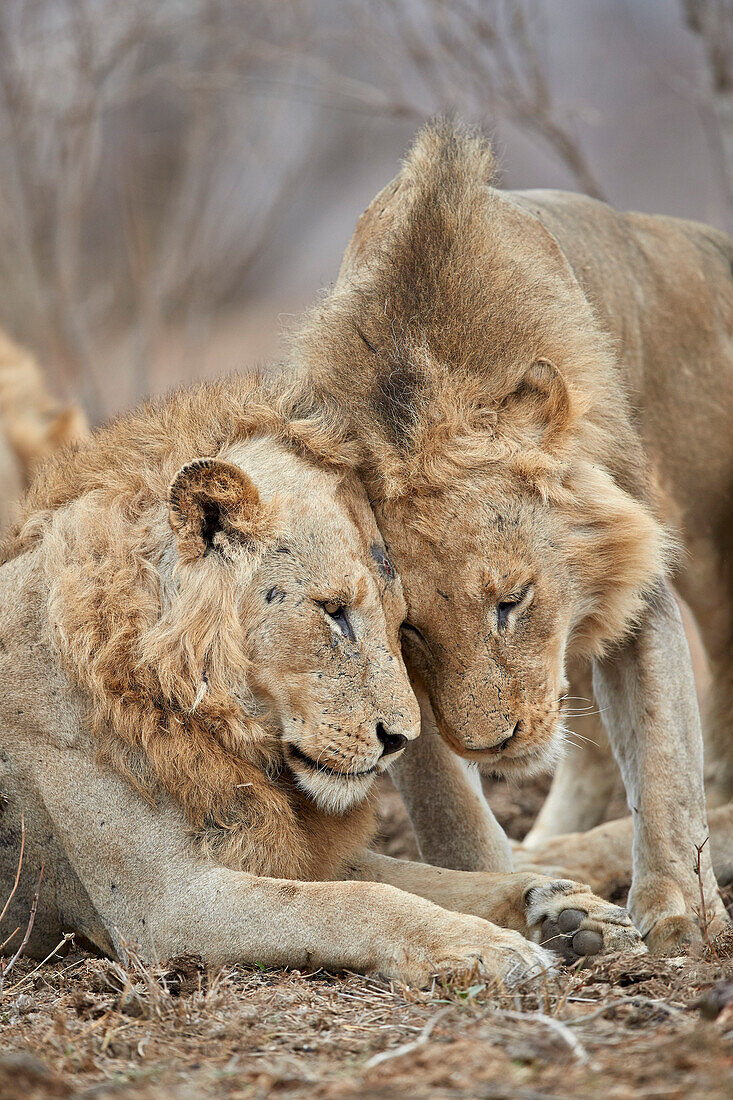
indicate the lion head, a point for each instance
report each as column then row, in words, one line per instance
column 320, row 607
column 233, row 617
column 496, row 445
column 503, row 585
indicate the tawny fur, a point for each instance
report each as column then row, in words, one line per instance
column 457, row 362
column 542, row 389
column 493, row 428
column 139, row 644
column 198, row 603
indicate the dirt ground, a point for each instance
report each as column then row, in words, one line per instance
column 89, row 1027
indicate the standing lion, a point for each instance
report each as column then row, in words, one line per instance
column 541, row 390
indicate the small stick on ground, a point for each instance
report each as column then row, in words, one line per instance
column 5, row 970
column 703, row 917
column 67, row 937
column 407, row 1048
column 560, row 1029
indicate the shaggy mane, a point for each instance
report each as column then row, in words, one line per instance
column 156, row 639
column 438, row 313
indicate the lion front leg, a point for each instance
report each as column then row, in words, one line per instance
column 647, row 694
column 150, row 886
column 453, row 822
column 563, row 915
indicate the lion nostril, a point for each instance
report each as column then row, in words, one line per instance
column 503, row 744
column 391, row 742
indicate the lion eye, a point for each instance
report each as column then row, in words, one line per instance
column 337, row 612
column 507, row 605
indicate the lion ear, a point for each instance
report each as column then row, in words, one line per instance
column 213, row 505
column 539, row 408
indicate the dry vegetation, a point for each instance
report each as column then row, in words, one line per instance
column 151, row 153
column 84, row 1026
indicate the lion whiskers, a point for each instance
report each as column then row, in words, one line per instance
column 573, row 738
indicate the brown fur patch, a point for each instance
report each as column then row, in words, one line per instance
column 461, row 350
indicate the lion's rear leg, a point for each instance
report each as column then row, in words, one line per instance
column 586, row 777
column 707, row 591
column 602, row 857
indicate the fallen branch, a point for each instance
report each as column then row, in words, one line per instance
column 407, row 1048
column 559, row 1028
column 5, row 970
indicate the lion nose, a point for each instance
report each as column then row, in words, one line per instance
column 391, row 742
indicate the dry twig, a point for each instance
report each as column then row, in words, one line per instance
column 7, row 967
column 703, row 917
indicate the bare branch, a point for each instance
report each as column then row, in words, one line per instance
column 5, row 969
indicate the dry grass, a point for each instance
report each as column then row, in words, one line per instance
column 625, row 1027
column 82, row 1026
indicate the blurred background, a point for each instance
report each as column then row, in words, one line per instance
column 178, row 177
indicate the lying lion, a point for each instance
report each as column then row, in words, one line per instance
column 540, row 393
column 202, row 676
column 32, row 425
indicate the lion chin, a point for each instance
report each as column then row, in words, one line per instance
column 540, row 757
column 332, row 790
column 534, row 761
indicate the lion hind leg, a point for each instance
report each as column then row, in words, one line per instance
column 602, row 856
column 719, row 732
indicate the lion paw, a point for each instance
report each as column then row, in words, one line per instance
column 673, row 936
column 477, row 949
column 568, row 919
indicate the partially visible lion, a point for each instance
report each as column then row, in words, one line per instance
column 541, row 392
column 32, row 425
column 202, row 676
